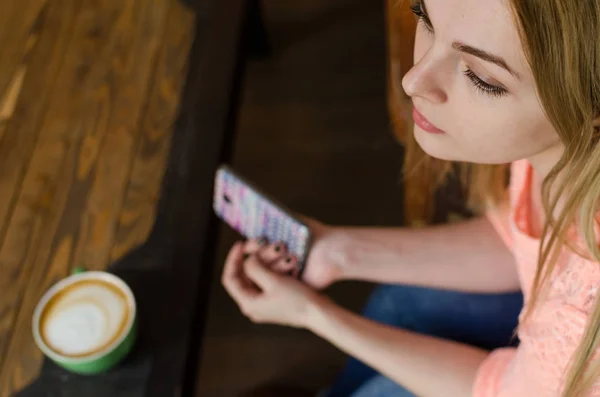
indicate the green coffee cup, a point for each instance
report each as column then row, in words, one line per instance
column 86, row 323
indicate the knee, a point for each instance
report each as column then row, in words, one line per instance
column 394, row 304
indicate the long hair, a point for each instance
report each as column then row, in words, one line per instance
column 561, row 40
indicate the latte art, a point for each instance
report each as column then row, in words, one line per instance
column 84, row 318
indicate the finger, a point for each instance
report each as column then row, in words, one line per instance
column 252, row 246
column 232, row 278
column 232, row 262
column 259, row 274
column 285, row 264
column 242, row 294
column 246, row 282
column 248, row 248
column 269, row 254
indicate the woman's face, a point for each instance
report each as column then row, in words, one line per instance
column 472, row 90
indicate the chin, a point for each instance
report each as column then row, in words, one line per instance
column 442, row 147
column 435, row 145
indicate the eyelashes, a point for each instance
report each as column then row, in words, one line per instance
column 418, row 8
column 420, row 13
column 484, row 87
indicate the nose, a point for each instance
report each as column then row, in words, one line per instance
column 424, row 80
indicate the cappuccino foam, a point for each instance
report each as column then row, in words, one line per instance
column 84, row 318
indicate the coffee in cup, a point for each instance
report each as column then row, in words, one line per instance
column 85, row 322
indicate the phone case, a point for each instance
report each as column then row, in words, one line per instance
column 254, row 215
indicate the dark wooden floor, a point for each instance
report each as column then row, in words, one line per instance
column 314, row 132
column 88, row 94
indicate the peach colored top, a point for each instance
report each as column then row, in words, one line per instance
column 549, row 338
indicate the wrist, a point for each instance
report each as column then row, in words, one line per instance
column 338, row 247
column 316, row 312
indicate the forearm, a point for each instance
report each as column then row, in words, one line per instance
column 468, row 256
column 427, row 366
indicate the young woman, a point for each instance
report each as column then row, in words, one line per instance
column 494, row 82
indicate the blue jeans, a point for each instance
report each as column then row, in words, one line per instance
column 484, row 320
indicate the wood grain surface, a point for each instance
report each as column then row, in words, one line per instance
column 88, row 93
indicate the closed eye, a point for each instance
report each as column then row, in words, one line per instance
column 421, row 12
column 484, row 87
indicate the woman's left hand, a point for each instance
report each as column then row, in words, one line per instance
column 262, row 294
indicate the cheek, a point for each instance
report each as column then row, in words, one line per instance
column 500, row 131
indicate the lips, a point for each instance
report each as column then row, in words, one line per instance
column 425, row 124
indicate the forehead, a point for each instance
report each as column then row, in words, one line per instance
column 485, row 24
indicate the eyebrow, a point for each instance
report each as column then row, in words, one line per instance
column 486, row 56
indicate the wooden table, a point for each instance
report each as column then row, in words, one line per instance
column 92, row 175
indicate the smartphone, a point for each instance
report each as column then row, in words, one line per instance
column 254, row 215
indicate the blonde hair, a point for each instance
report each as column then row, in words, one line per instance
column 561, row 40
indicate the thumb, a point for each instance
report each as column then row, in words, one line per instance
column 259, row 274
